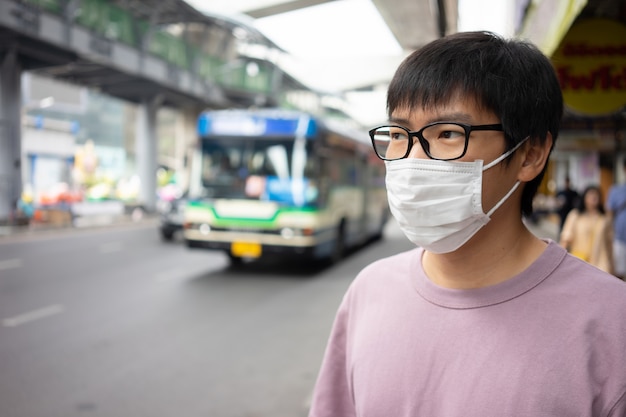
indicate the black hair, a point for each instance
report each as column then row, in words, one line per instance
column 581, row 202
column 511, row 78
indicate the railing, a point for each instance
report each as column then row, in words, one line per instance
column 119, row 25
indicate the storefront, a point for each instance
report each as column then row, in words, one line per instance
column 586, row 41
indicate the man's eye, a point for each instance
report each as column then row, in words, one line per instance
column 398, row 135
column 451, row 134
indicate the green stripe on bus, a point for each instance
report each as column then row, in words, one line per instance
column 248, row 221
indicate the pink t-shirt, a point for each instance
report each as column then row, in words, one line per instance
column 551, row 341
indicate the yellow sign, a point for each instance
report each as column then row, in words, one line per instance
column 591, row 66
column 246, row 249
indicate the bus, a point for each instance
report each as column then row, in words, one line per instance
column 275, row 182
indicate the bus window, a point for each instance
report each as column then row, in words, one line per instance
column 277, row 156
column 270, row 169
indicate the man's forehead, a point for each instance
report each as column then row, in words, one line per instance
column 465, row 111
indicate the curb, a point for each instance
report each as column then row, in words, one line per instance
column 81, row 224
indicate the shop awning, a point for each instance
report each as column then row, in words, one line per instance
column 547, row 21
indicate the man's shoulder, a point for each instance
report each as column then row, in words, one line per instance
column 398, row 259
column 617, row 188
column 389, row 268
column 616, row 195
column 585, row 279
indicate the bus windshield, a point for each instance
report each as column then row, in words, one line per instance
column 280, row 170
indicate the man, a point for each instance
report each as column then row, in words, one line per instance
column 616, row 205
column 483, row 318
column 567, row 199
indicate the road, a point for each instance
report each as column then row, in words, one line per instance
column 113, row 322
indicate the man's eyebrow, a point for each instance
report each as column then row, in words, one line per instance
column 459, row 117
column 400, row 121
column 452, row 117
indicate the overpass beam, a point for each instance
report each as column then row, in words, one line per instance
column 10, row 133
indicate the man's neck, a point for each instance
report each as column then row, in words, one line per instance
column 495, row 254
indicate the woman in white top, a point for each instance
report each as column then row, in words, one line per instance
column 587, row 231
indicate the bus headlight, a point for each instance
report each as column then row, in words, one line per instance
column 290, row 232
column 204, row 228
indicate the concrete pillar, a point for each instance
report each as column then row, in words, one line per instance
column 146, row 152
column 186, row 139
column 10, row 133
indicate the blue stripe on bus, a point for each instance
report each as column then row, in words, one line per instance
column 241, row 126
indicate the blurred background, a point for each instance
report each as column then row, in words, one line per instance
column 99, row 109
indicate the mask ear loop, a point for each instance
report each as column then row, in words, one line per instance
column 506, row 197
column 517, row 183
column 504, row 155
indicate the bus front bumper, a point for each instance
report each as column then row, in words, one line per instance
column 264, row 249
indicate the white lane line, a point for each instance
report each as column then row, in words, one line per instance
column 33, row 315
column 10, row 264
column 111, row 247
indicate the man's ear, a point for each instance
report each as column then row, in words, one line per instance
column 534, row 157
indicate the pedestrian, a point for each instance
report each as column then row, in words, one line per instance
column 587, row 233
column 482, row 318
column 616, row 205
column 566, row 199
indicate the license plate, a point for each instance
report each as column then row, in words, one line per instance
column 245, row 249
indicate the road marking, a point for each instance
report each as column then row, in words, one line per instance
column 10, row 264
column 32, row 315
column 111, row 247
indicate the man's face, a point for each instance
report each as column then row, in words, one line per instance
column 484, row 145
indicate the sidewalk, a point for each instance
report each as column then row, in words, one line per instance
column 83, row 223
column 544, row 228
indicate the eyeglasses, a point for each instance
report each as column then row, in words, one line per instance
column 444, row 141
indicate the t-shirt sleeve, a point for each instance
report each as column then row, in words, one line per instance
column 332, row 395
column 619, row 409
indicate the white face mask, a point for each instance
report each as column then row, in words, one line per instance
column 438, row 204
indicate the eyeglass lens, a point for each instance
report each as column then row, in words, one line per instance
column 440, row 141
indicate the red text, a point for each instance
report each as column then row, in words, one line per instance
column 583, row 49
column 604, row 78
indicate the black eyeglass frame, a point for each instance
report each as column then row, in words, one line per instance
column 424, row 143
